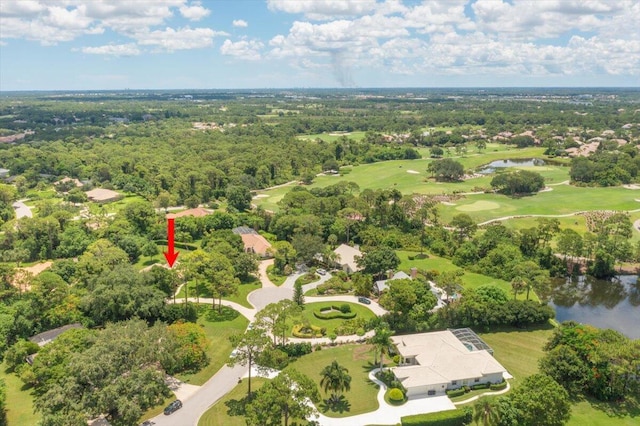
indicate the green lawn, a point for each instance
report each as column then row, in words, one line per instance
column 218, row 414
column 307, row 314
column 218, row 329
column 330, row 137
column 240, row 297
column 274, row 277
column 358, row 360
column 440, row 264
column 564, row 199
column 19, row 401
column 519, row 351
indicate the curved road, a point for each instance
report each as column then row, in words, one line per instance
column 226, row 378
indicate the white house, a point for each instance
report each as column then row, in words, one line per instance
column 435, row 362
column 347, row 258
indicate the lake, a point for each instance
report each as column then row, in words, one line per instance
column 611, row 304
column 501, row 164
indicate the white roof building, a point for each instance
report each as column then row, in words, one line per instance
column 435, row 362
column 347, row 258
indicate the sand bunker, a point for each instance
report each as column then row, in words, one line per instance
column 413, row 172
column 631, row 186
column 261, row 196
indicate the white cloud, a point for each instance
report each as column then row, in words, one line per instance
column 241, row 23
column 244, row 49
column 128, row 49
column 195, row 12
column 323, row 9
column 183, row 38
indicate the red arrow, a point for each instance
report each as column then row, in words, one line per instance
column 170, row 255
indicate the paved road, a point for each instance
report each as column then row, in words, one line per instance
column 194, row 407
column 22, row 210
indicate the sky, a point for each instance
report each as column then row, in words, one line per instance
column 234, row 44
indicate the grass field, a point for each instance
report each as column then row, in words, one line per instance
column 218, row 329
column 358, row 359
column 330, row 137
column 469, row 279
column 19, row 401
column 240, row 297
column 330, row 325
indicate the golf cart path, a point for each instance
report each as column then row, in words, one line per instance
column 519, row 216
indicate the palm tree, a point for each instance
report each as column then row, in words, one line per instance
column 381, row 342
column 336, row 379
column 518, row 285
column 484, row 411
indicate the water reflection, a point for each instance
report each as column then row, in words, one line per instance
column 606, row 304
column 500, row 164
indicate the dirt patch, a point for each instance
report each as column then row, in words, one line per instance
column 362, row 352
column 413, row 172
column 37, row 268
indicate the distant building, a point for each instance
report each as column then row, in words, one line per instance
column 102, row 195
column 381, row 285
column 4, row 173
column 253, row 242
column 347, row 258
column 197, row 212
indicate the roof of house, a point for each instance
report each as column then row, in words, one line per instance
column 50, row 335
column 347, row 256
column 442, row 356
column 66, row 179
column 256, row 242
column 197, row 212
column 102, row 194
column 383, row 284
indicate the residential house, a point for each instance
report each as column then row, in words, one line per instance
column 102, row 195
column 346, row 258
column 253, row 242
column 432, row 363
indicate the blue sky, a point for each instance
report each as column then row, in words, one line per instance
column 180, row 44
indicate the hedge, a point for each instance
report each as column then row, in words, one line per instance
column 296, row 332
column 455, row 392
column 498, row 386
column 457, row 417
column 481, row 386
column 335, row 313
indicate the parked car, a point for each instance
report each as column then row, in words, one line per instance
column 234, row 353
column 321, row 271
column 147, row 423
column 364, row 300
column 174, row 406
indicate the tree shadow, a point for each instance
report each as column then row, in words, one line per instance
column 238, row 407
column 339, row 405
column 629, row 406
column 226, row 314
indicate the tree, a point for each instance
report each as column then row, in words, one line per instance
column 150, row 249
column 519, row 182
column 298, row 294
column 481, row 144
column 538, row 401
column 273, row 318
column 484, row 412
column 570, row 245
column 284, row 254
column 382, row 343
column 379, row 260
column 335, row 379
column 518, row 285
column 283, row 398
column 164, row 200
column 239, row 197
column 532, row 276
column 249, row 345
column 307, row 246
column 362, row 284
column 446, row 169
column 221, row 277
column 450, row 282
column 465, row 226
column 400, row 297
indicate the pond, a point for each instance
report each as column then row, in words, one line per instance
column 611, row 304
column 501, row 164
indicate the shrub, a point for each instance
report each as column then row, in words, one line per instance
column 345, row 309
column 457, row 417
column 481, row 386
column 455, row 392
column 498, row 386
column 396, row 394
column 306, row 331
column 334, row 312
column 295, row 350
column 396, row 359
column 273, row 358
column 360, row 332
column 15, row 357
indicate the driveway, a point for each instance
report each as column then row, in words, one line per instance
column 195, row 406
column 22, row 210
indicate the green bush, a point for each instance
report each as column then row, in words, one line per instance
column 345, row 309
column 396, row 359
column 455, row 392
column 306, row 332
column 360, row 332
column 273, row 358
column 498, row 386
column 481, row 386
column 457, row 417
column 396, row 395
column 335, row 312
